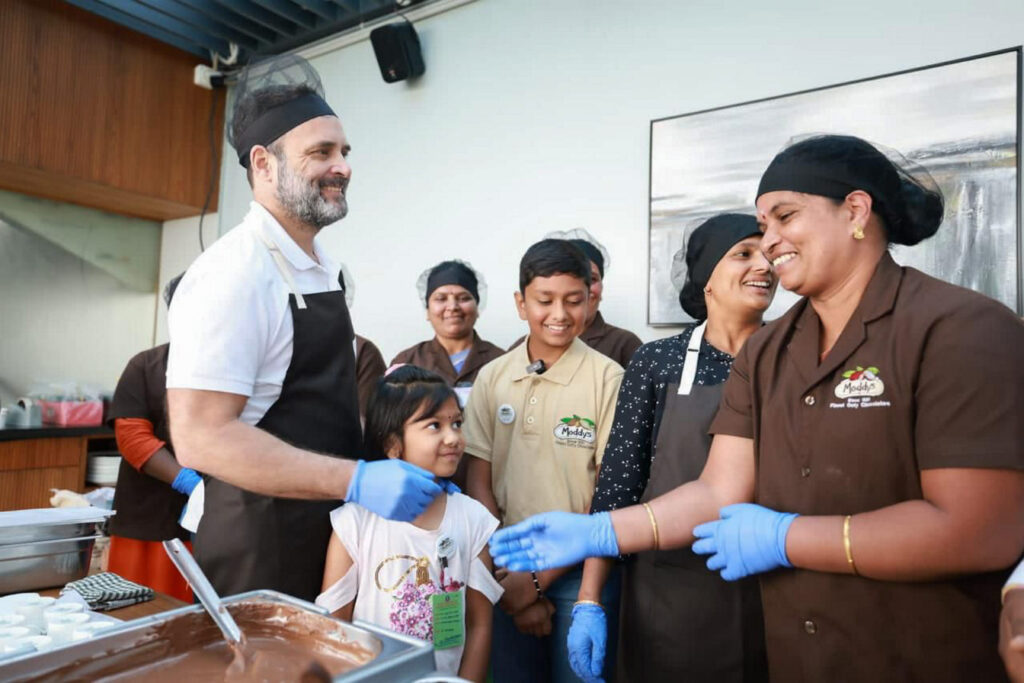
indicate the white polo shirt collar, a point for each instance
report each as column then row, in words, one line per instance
column 259, row 218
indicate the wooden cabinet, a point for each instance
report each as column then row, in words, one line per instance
column 98, row 115
column 30, row 467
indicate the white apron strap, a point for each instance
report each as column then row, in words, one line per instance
column 282, row 267
column 690, row 361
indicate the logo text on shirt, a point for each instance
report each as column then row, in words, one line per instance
column 575, row 431
column 859, row 387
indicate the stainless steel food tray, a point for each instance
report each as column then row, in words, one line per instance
column 399, row 658
column 44, row 564
column 49, row 524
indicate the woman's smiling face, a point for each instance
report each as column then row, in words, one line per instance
column 742, row 280
column 805, row 238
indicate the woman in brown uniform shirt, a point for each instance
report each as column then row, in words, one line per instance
column 452, row 292
column 880, row 416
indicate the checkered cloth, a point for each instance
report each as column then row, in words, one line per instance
column 107, row 591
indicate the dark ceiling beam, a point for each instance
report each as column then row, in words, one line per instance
column 349, row 6
column 159, row 20
column 201, row 22
column 289, row 11
column 139, row 26
column 255, row 13
column 323, row 9
column 240, row 23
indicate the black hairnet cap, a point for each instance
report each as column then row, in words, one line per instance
column 707, row 245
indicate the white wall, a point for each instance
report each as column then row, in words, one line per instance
column 62, row 319
column 179, row 247
column 534, row 116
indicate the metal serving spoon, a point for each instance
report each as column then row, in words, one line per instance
column 188, row 567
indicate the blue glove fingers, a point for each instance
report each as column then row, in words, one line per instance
column 449, row 486
column 706, row 530
column 705, row 546
column 717, row 561
column 577, row 644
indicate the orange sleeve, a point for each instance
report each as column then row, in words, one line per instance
column 135, row 440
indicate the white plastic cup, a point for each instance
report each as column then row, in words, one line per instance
column 12, row 619
column 9, row 633
column 32, row 609
column 61, row 608
column 22, row 648
column 62, row 626
column 90, row 629
column 37, row 643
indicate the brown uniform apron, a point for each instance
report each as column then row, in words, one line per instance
column 678, row 619
column 247, row 541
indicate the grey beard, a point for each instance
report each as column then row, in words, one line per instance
column 303, row 200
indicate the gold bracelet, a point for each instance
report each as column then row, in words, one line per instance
column 654, row 526
column 846, row 545
column 588, row 602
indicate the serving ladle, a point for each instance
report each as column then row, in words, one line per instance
column 189, row 568
column 201, row 586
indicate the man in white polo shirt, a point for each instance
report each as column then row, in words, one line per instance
column 261, row 375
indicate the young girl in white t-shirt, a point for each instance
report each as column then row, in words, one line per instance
column 430, row 578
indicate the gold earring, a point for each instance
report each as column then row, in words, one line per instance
column 858, row 232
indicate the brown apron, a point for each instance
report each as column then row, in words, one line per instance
column 247, row 541
column 678, row 619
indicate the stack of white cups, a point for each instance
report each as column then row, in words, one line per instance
column 36, row 624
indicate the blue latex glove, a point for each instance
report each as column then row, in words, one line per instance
column 748, row 539
column 554, row 539
column 393, row 489
column 186, row 480
column 449, row 486
column 588, row 638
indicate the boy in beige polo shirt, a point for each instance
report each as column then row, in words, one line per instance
column 536, row 427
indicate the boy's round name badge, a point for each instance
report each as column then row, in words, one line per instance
column 506, row 414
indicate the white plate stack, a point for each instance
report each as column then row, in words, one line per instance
column 101, row 469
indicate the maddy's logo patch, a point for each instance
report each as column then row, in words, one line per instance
column 858, row 388
column 860, row 382
column 576, row 431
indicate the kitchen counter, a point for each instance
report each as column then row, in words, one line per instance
column 19, row 433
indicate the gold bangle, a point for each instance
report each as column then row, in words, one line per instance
column 846, row 545
column 654, row 526
column 588, row 602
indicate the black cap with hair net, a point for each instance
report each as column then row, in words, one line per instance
column 903, row 194
column 272, row 96
column 706, row 246
column 453, row 272
column 591, row 248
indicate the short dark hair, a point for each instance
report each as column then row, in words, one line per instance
column 398, row 396
column 553, row 257
column 255, row 104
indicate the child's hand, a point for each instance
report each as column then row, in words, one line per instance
column 535, row 620
column 519, row 592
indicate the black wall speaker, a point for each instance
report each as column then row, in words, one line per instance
column 398, row 51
